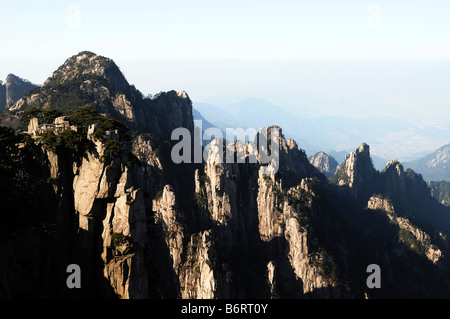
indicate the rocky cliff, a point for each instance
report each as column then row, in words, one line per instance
column 141, row 226
column 440, row 191
column 357, row 172
column 410, row 234
column 2, row 95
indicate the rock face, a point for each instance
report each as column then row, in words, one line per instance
column 411, row 235
column 256, row 222
column 324, row 163
column 111, row 221
column 166, row 215
column 440, row 191
column 141, row 226
column 357, row 172
column 394, row 179
column 197, row 278
column 300, row 248
column 380, row 203
column 13, row 89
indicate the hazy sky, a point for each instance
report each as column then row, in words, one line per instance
column 267, row 46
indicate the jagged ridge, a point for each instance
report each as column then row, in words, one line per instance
column 141, row 226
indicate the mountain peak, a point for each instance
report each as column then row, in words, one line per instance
column 324, row 163
column 14, row 79
column 86, row 53
column 357, row 171
column 13, row 89
column 393, row 163
column 363, row 148
column 90, row 79
column 182, row 94
column 85, row 64
column 11, row 77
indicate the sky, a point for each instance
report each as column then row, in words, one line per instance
column 347, row 29
column 352, row 57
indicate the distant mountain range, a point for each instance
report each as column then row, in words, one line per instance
column 258, row 113
column 434, row 166
column 389, row 137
